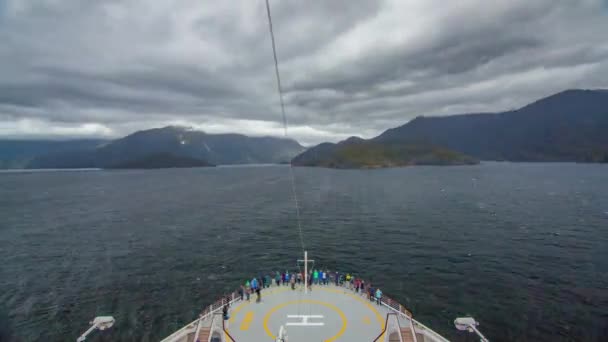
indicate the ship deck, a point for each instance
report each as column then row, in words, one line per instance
column 326, row 313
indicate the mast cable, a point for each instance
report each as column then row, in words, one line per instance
column 280, row 90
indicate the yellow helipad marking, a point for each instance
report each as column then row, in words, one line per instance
column 367, row 303
column 236, row 310
column 361, row 300
column 366, row 320
column 247, row 320
column 331, row 306
column 245, row 302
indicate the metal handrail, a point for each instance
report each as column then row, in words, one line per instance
column 426, row 329
column 413, row 330
column 226, row 332
column 396, row 306
column 206, row 313
column 198, row 328
column 385, row 327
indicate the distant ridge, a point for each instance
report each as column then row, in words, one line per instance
column 17, row 154
column 569, row 126
column 179, row 142
column 357, row 153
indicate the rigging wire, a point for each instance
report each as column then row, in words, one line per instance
column 291, row 171
column 280, row 90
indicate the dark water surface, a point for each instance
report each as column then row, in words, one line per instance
column 521, row 247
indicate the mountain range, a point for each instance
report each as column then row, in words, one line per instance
column 568, row 126
column 17, row 154
column 165, row 145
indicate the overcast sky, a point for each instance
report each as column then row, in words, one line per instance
column 73, row 68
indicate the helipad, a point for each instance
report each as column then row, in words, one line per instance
column 324, row 313
column 327, row 313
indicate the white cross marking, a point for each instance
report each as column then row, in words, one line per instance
column 304, row 321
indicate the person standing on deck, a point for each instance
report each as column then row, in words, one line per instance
column 254, row 287
column 310, row 280
column 248, row 289
column 371, row 293
column 225, row 311
column 267, row 281
column 254, row 284
column 362, row 286
column 337, row 278
column 323, row 277
column 292, row 281
column 379, row 296
column 315, row 276
column 277, row 278
column 241, row 292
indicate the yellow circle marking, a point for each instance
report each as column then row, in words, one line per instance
column 331, row 306
column 245, row 302
column 360, row 299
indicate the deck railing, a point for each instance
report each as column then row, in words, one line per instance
column 211, row 309
column 397, row 307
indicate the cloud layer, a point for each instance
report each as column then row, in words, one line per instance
column 350, row 67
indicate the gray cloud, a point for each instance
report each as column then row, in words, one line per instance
column 81, row 68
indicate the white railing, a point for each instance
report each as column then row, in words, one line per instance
column 392, row 326
column 216, row 326
column 401, row 310
column 207, row 312
column 431, row 332
column 395, row 306
column 413, row 330
column 197, row 331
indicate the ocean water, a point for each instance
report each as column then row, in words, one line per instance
column 521, row 247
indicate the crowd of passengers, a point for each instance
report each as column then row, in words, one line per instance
column 315, row 277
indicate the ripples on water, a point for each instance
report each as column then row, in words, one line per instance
column 522, row 247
